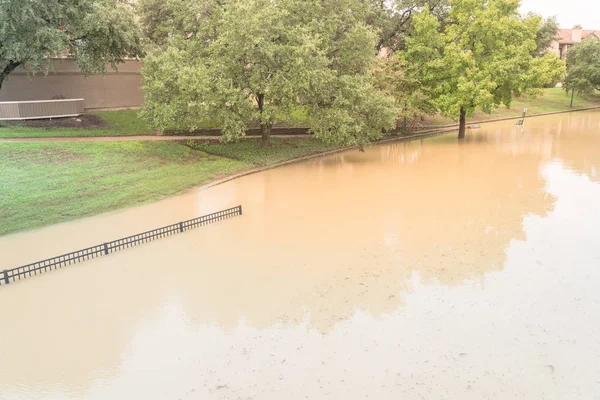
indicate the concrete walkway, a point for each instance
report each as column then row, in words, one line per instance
column 129, row 138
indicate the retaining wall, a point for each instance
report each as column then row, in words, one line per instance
column 121, row 88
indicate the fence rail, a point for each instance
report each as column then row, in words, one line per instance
column 40, row 109
column 10, row 275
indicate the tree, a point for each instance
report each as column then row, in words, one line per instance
column 481, row 59
column 163, row 19
column 396, row 78
column 259, row 61
column 392, row 19
column 546, row 34
column 583, row 66
column 96, row 33
column 153, row 14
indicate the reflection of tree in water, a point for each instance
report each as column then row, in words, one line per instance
column 318, row 241
column 454, row 224
column 577, row 143
column 573, row 139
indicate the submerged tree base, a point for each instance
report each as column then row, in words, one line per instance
column 462, row 123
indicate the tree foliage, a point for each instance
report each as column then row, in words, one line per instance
column 392, row 19
column 481, row 59
column 546, row 34
column 399, row 80
column 96, row 33
column 241, row 62
column 583, row 66
column 163, row 20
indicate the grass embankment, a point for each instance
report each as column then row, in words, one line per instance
column 553, row 100
column 47, row 183
column 105, row 123
column 117, row 123
column 249, row 150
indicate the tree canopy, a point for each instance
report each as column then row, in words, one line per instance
column 583, row 66
column 481, row 59
column 399, row 80
column 245, row 62
column 96, row 33
column 392, row 19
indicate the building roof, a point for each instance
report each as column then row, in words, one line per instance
column 565, row 36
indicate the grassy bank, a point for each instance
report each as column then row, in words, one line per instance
column 47, row 183
column 116, row 123
column 42, row 184
column 249, row 151
column 103, row 123
column 555, row 99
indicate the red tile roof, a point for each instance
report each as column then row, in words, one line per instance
column 565, row 36
column 586, row 33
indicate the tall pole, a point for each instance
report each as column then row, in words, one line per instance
column 572, row 95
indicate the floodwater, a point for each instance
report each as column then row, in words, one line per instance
column 424, row 270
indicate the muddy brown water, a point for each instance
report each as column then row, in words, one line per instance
column 430, row 269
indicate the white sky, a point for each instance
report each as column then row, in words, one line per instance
column 569, row 12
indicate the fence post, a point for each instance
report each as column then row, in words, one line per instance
column 240, row 208
column 181, row 227
column 5, row 272
column 105, row 248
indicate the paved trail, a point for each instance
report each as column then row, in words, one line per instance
column 128, row 138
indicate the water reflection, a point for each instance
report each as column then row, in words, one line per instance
column 318, row 242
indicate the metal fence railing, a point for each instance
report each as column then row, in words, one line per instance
column 40, row 109
column 10, row 275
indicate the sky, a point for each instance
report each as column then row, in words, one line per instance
column 569, row 13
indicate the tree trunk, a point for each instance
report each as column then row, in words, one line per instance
column 463, row 123
column 10, row 67
column 265, row 131
column 265, row 127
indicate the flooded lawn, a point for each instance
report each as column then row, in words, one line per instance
column 425, row 270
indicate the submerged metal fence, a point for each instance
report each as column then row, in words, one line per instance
column 11, row 275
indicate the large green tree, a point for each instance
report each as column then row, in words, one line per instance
column 392, row 19
column 97, row 33
column 245, row 62
column 583, row 66
column 481, row 59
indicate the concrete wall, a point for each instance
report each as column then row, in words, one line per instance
column 116, row 89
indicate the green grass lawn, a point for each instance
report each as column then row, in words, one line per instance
column 249, row 150
column 555, row 99
column 47, row 183
column 120, row 123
